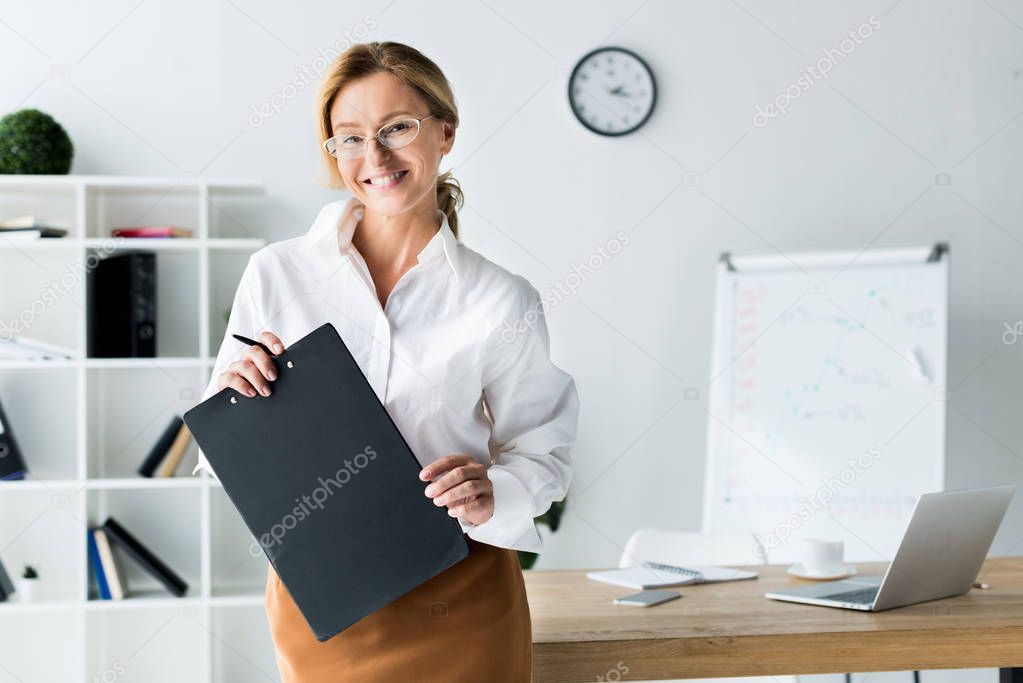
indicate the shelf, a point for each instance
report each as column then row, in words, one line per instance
column 114, row 182
column 176, row 482
column 40, row 485
column 180, row 481
column 15, row 605
column 40, row 244
column 150, row 243
column 87, row 423
column 144, row 599
column 28, row 364
column 145, row 363
column 156, row 243
column 249, row 596
column 158, row 362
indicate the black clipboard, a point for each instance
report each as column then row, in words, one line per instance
column 327, row 485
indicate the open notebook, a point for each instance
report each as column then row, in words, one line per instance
column 656, row 575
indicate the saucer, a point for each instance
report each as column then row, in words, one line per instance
column 840, row 572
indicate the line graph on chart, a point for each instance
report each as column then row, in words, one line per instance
column 825, row 405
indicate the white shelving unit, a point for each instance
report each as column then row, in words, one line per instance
column 85, row 424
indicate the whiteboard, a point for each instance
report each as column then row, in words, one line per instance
column 827, row 397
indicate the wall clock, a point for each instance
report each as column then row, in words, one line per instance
column 612, row 91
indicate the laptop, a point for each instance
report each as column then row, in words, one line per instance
column 941, row 553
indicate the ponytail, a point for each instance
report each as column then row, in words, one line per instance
column 449, row 199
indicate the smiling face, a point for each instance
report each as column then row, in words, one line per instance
column 389, row 181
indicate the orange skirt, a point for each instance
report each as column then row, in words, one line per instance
column 468, row 623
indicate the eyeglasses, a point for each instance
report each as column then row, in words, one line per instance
column 394, row 135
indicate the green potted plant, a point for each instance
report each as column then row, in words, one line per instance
column 552, row 519
column 32, row 142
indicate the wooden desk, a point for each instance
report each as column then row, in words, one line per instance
column 730, row 629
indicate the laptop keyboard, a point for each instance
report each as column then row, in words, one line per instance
column 860, row 596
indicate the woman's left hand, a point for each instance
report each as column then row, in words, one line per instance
column 462, row 484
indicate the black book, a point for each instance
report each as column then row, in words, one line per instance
column 148, row 561
column 160, row 448
column 6, row 587
column 12, row 466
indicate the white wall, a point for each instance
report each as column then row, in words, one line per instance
column 165, row 88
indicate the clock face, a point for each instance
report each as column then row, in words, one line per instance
column 612, row 91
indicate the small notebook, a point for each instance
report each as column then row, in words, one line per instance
column 656, row 575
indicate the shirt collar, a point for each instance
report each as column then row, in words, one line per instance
column 339, row 220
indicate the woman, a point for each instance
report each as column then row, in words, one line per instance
column 455, row 347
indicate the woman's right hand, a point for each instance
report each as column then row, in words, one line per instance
column 254, row 370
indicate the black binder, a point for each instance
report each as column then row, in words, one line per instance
column 327, row 485
column 145, row 558
column 6, row 587
column 12, row 465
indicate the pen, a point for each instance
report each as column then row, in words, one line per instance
column 253, row 342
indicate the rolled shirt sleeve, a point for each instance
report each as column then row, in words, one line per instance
column 245, row 319
column 534, row 407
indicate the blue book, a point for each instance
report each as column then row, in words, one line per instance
column 97, row 566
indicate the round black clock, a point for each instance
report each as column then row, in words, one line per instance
column 612, row 91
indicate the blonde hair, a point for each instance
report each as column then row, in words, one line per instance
column 415, row 70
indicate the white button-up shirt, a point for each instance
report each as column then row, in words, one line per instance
column 459, row 356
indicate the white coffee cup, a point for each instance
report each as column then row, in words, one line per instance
column 822, row 557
